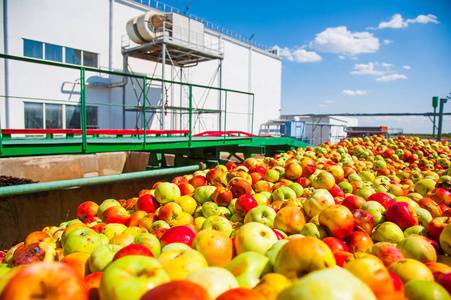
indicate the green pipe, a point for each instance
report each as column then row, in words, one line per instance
column 83, row 109
column 144, row 113
column 70, row 183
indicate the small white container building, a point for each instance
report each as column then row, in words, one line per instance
column 132, row 37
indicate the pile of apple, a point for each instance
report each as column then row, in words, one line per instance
column 363, row 219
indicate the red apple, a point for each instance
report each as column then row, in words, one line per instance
column 364, row 221
column 135, row 218
column 186, row 189
column 214, row 175
column 308, row 165
column 244, row 204
column 115, row 214
column 353, row 202
column 177, row 234
column 177, row 290
column 86, row 209
column 338, row 219
column 197, row 181
column 335, row 191
column 241, row 293
column 335, row 244
column 382, row 198
column 402, row 214
column 435, row 227
column 133, row 249
column 147, row 203
column 179, row 180
column 359, row 241
column 46, row 280
column 440, row 196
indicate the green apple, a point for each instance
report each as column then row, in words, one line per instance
column 283, row 193
column 314, row 230
column 210, row 208
column 261, row 214
column 175, row 246
column 215, row 280
column 445, row 239
column 218, row 223
column 203, row 193
column 365, row 192
column 167, row 192
column 248, row 267
column 149, row 241
column 424, row 186
column 424, row 289
column 102, row 256
column 297, row 188
column 324, row 180
column 387, row 232
column 411, row 269
column 376, row 209
column 159, row 224
column 333, row 283
column 417, row 248
column 130, row 277
column 272, row 252
column 345, row 187
column 254, row 236
column 224, row 212
column 424, row 216
column 82, row 239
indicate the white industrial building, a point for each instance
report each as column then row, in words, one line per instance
column 94, row 34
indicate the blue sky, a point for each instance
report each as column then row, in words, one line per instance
column 350, row 56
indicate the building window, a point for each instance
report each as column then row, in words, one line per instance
column 57, row 53
column 89, row 59
column 32, row 49
column 53, row 52
column 53, row 116
column 92, row 117
column 73, row 117
column 73, row 56
column 33, row 115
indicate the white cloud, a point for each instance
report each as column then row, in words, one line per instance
column 386, row 42
column 299, row 55
column 367, row 69
column 341, row 56
column 391, row 77
column 341, row 40
column 397, row 21
column 424, row 19
column 322, row 105
column 354, row 93
column 330, row 101
column 407, row 67
column 383, row 70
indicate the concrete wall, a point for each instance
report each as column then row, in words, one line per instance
column 24, row 214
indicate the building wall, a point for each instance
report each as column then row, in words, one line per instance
column 85, row 25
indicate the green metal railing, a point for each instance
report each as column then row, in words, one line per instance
column 83, row 101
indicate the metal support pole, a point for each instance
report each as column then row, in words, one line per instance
column 124, row 89
column 220, row 94
column 163, row 91
column 225, row 116
column 190, row 136
column 83, row 109
column 440, row 119
column 434, row 127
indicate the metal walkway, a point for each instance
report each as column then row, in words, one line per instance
column 186, row 148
